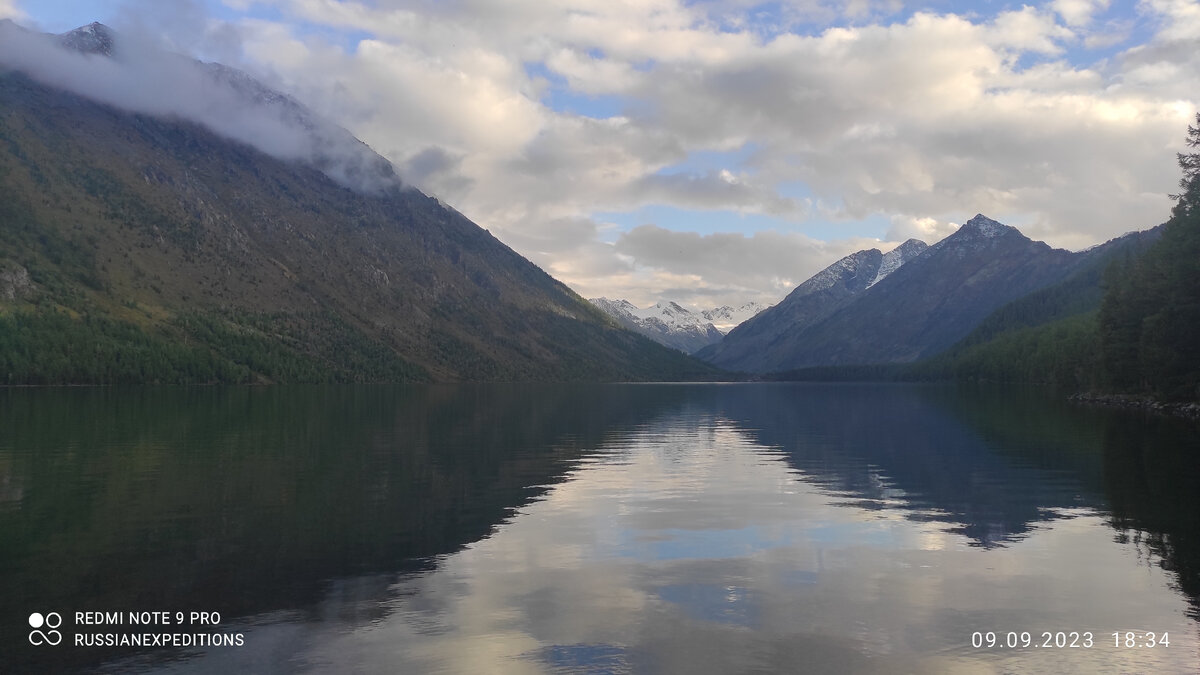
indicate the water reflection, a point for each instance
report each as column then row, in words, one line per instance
column 747, row 528
column 990, row 464
column 688, row 547
column 251, row 500
column 1152, row 480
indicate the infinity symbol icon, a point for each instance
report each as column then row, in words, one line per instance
column 50, row 637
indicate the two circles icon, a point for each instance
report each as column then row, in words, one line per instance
column 48, row 637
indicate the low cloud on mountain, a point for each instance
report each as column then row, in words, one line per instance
column 139, row 76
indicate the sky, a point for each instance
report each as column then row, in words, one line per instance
column 711, row 152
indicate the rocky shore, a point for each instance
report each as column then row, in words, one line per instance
column 1189, row 410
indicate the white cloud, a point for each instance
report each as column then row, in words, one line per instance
column 925, row 121
column 11, row 9
column 589, row 75
column 1111, row 34
column 1028, row 30
column 926, row 229
column 1078, row 12
column 1180, row 19
column 715, row 190
column 724, row 267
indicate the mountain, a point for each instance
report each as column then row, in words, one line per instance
column 1050, row 336
column 893, row 259
column 931, row 300
column 935, row 299
column 768, row 341
column 1123, row 326
column 675, row 326
column 1080, row 292
column 726, row 318
column 94, row 38
column 666, row 323
column 141, row 241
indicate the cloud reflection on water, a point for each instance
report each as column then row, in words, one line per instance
column 688, row 548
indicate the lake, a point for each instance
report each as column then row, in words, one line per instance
column 659, row 528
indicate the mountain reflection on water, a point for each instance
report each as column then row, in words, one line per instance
column 599, row 528
column 989, row 465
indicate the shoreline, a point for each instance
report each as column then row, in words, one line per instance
column 1188, row 410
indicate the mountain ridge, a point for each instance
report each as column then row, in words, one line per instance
column 752, row 346
column 190, row 256
column 670, row 324
column 935, row 298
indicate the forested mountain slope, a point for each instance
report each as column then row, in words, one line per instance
column 141, row 248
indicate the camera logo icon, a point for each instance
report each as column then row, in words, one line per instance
column 50, row 636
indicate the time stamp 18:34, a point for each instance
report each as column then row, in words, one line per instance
column 1133, row 639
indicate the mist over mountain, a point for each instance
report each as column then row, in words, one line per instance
column 180, row 222
column 132, row 74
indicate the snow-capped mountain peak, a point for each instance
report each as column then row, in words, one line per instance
column 674, row 325
column 726, row 318
column 893, row 259
column 983, row 226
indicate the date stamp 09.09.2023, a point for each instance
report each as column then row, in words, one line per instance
column 1124, row 639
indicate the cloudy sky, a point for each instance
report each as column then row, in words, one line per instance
column 714, row 152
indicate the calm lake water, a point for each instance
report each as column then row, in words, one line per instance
column 595, row 529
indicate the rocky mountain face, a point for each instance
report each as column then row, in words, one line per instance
column 764, row 341
column 94, row 38
column 138, row 234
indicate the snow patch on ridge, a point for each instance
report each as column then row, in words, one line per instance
column 830, row 276
column 895, row 258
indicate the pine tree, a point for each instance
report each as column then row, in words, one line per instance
column 1189, row 199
